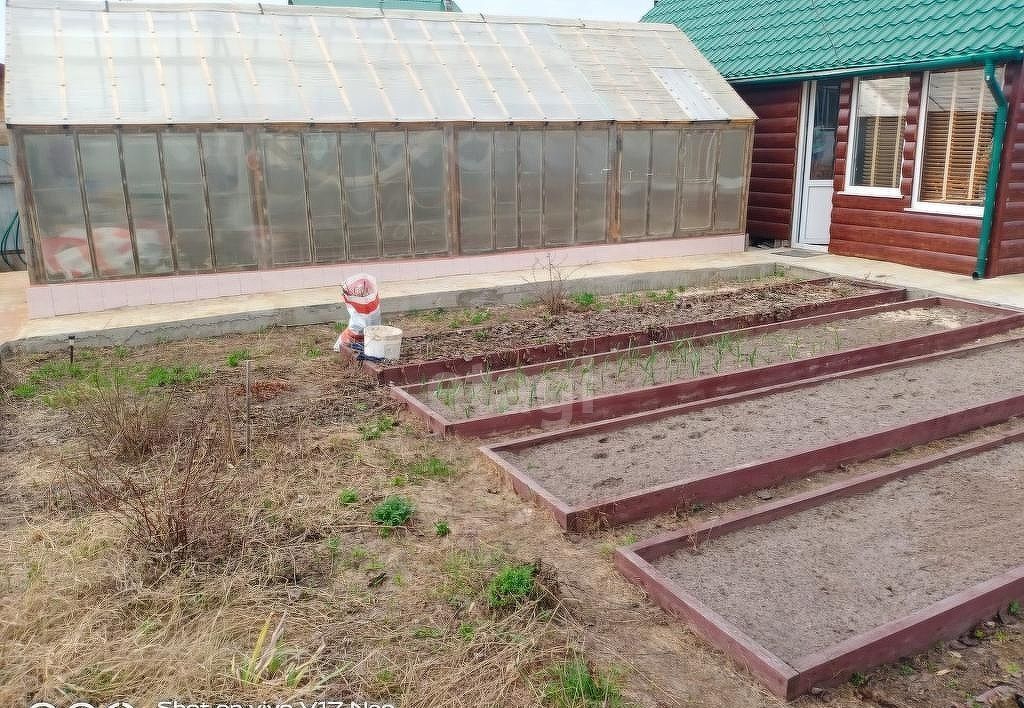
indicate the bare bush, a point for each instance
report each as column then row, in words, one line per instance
column 181, row 507
column 549, row 285
column 131, row 426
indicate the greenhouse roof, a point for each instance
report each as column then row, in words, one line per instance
column 434, row 5
column 93, row 63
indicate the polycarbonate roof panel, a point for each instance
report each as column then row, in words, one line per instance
column 87, row 63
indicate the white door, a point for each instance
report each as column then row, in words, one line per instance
column 821, row 118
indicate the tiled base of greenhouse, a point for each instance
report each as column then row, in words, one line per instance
column 93, row 296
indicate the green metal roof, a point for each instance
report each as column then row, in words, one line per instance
column 748, row 39
column 437, row 5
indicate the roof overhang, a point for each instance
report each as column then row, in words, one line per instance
column 936, row 64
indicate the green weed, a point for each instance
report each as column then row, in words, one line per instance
column 858, row 679
column 347, row 496
column 586, row 301
column 270, row 662
column 661, row 296
column 334, row 548
column 432, row 467
column 392, row 512
column 511, row 586
column 25, row 390
column 158, row 376
column 237, row 357
column 468, row 317
column 479, row 317
column 56, row 371
column 441, row 528
column 465, row 573
column 376, row 428
column 573, row 684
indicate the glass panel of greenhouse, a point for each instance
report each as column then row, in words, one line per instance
column 171, row 139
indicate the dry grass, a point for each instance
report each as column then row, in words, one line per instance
column 174, row 565
column 86, row 626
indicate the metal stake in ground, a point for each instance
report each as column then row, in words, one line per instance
column 248, row 405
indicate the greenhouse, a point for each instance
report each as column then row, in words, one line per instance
column 161, row 140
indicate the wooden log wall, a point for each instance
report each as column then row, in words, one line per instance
column 1007, row 254
column 773, row 172
column 880, row 227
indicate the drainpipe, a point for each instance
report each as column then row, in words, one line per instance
column 985, row 235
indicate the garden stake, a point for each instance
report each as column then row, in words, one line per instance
column 248, row 406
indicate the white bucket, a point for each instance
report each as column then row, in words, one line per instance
column 382, row 342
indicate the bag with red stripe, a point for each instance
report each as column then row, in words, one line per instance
column 363, row 304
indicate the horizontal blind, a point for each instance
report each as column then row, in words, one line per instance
column 881, row 116
column 959, row 128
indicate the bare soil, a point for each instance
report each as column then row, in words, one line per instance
column 691, row 445
column 440, row 334
column 854, row 564
column 641, row 367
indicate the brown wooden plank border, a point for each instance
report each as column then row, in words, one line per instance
column 412, row 373
column 751, row 331
column 601, row 426
column 944, row 619
column 611, row 405
column 726, row 484
column 772, row 671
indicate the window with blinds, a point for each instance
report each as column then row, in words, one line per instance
column 959, row 122
column 881, row 106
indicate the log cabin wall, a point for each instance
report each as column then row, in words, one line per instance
column 1007, row 255
column 773, row 172
column 880, row 228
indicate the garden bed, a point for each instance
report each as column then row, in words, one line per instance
column 639, row 465
column 585, row 389
column 880, row 565
column 613, row 322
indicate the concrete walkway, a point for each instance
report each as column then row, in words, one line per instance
column 140, row 325
column 13, row 306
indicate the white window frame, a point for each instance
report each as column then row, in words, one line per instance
column 915, row 202
column 851, row 143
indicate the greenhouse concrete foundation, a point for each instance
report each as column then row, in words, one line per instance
column 93, row 296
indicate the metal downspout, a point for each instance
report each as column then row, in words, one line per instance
column 985, row 234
